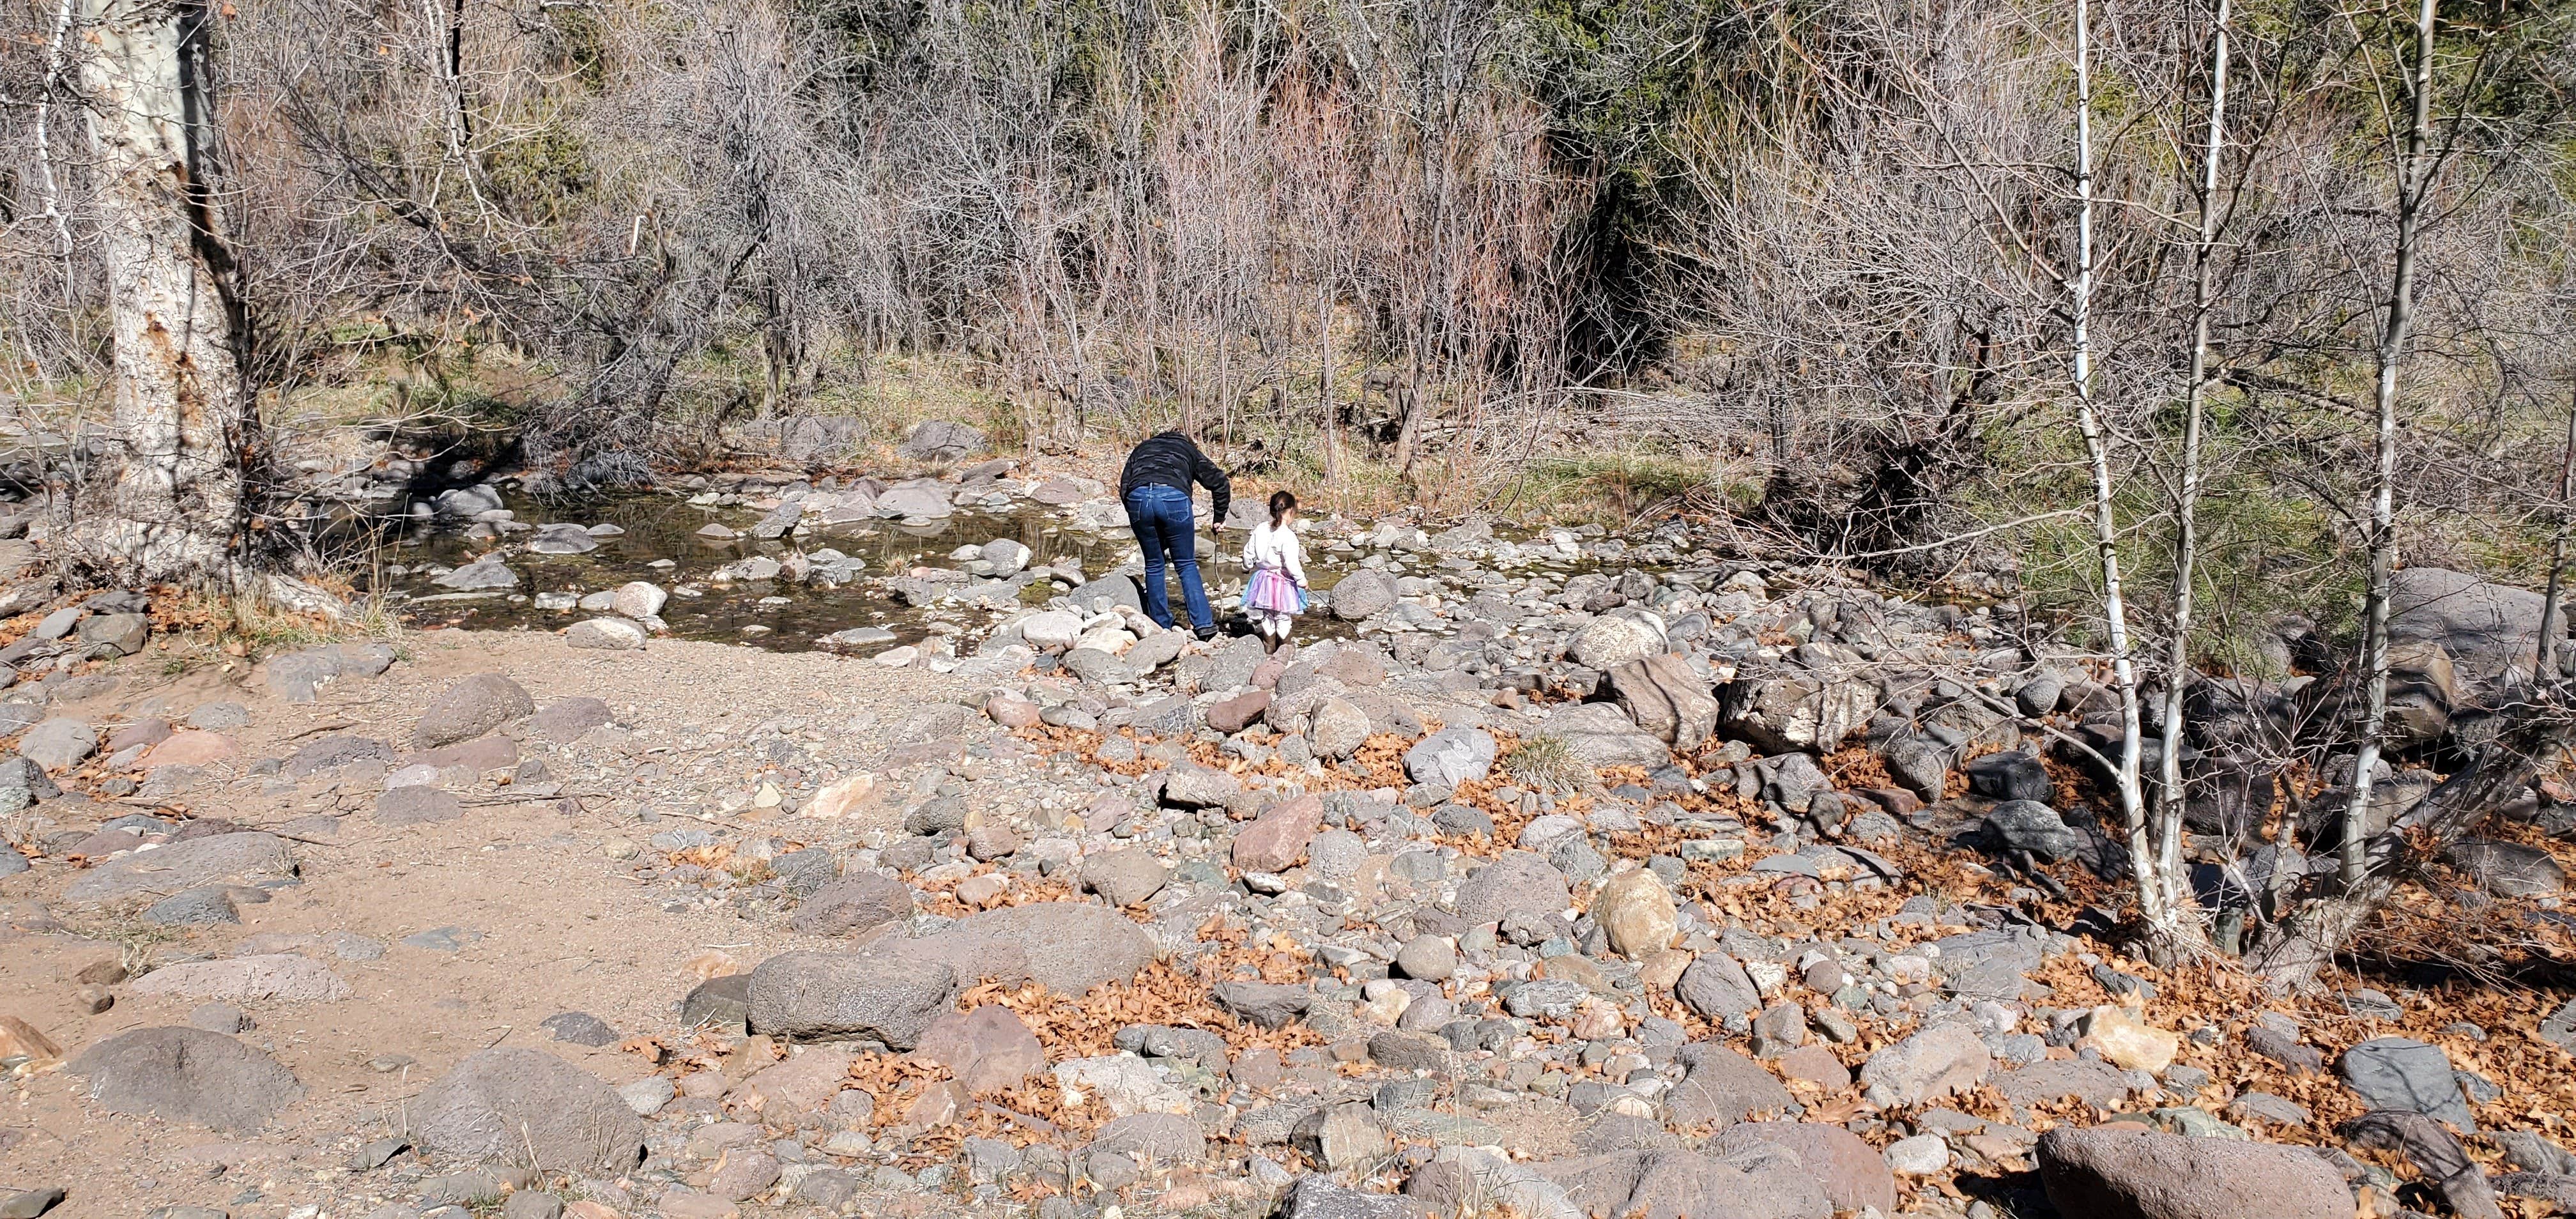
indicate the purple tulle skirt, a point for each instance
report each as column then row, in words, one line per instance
column 1272, row 591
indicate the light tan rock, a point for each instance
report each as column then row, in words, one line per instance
column 2128, row 1042
column 1636, row 912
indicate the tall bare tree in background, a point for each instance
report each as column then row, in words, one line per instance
column 168, row 503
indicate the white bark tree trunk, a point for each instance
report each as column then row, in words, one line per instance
column 2372, row 714
column 2182, row 916
column 168, row 507
column 2106, row 521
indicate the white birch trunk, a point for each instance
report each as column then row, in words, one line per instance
column 2355, row 862
column 171, row 507
column 2170, row 795
column 2106, row 523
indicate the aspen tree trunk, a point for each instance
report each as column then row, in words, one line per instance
column 2367, row 721
column 2292, row 953
column 2106, row 523
column 2180, row 926
column 2553, row 630
column 169, row 505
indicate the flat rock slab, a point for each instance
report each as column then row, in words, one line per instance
column 1067, row 947
column 278, row 977
column 244, row 858
column 2400, row 1073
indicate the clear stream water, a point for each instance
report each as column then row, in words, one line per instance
column 661, row 544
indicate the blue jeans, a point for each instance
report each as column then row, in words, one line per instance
column 1160, row 516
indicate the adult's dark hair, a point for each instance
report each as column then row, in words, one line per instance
column 1281, row 504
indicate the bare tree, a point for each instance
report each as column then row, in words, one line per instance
column 169, row 505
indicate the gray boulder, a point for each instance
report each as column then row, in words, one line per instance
column 2401, row 1073
column 1612, row 640
column 2028, row 825
column 2126, row 1171
column 942, row 440
column 486, row 574
column 844, row 995
column 59, row 743
column 854, row 905
column 187, row 1075
column 1931, row 1064
column 1268, row 1004
column 120, row 634
column 1451, row 756
column 217, row 859
column 1601, row 734
column 1360, row 594
column 1723, row 1088
column 298, row 677
column 529, row 1108
column 1785, row 710
column 1124, row 878
column 23, row 783
column 1716, row 987
column 1068, row 947
column 2485, row 627
column 471, row 708
column 1666, row 699
column 1518, row 881
column 2507, row 869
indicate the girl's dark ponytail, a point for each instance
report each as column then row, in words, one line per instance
column 1281, row 504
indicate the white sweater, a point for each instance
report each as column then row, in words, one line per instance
column 1274, row 547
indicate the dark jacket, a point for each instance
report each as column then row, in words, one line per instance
column 1170, row 460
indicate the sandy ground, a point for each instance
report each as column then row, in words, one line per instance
column 547, row 922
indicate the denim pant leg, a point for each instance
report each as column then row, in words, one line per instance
column 1182, row 540
column 1144, row 514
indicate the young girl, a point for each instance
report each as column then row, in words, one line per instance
column 1277, row 589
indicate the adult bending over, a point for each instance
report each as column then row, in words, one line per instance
column 1156, row 486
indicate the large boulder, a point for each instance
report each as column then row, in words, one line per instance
column 281, row 977
column 1716, row 987
column 1666, row 699
column 187, row 1075
column 1276, row 841
column 1067, row 947
column 1723, row 1088
column 1854, row 1174
column 245, row 858
column 2126, row 1171
column 529, row 1108
column 1612, row 640
column 298, row 677
column 2402, row 1073
column 854, row 905
column 986, row 1049
column 942, row 440
column 1793, row 710
column 1362, row 593
column 471, row 708
column 878, row 996
column 2486, row 628
column 1129, row 877
column 1931, row 1064
column 1518, row 881
column 1451, row 756
column 2028, row 825
column 1757, row 1182
column 1636, row 913
column 59, row 743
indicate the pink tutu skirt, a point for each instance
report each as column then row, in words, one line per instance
column 1270, row 590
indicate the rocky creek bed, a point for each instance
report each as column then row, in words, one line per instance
column 1562, row 876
